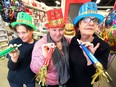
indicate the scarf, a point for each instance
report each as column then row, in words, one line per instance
column 61, row 61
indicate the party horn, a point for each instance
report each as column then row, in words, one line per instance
column 8, row 50
column 41, row 75
column 100, row 71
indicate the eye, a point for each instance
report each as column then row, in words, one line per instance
column 61, row 29
column 96, row 20
column 54, row 29
column 86, row 19
column 24, row 32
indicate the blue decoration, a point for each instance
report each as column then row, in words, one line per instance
column 89, row 54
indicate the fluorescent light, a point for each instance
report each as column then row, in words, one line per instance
column 107, row 10
column 105, row 7
column 57, row 2
column 98, row 1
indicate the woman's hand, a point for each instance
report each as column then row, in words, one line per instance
column 91, row 48
column 14, row 54
column 46, row 48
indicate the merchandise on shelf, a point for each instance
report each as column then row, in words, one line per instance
column 69, row 29
column 3, row 35
column 10, row 8
column 109, row 33
column 3, row 38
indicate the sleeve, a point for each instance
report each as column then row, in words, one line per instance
column 103, row 57
column 37, row 58
column 11, row 65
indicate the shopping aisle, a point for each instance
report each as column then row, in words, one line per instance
column 3, row 73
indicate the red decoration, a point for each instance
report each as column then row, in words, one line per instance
column 114, row 6
column 34, row 4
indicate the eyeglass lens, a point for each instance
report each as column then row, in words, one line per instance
column 88, row 20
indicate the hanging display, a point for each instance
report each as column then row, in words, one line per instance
column 10, row 8
column 109, row 33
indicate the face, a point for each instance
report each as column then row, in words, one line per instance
column 24, row 34
column 88, row 25
column 56, row 33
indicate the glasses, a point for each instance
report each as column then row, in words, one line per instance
column 88, row 20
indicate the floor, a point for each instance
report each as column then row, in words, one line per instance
column 4, row 71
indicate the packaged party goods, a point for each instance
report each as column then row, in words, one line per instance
column 110, row 29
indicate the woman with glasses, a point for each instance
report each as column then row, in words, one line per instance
column 81, row 68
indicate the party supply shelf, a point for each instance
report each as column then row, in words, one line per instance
column 3, row 38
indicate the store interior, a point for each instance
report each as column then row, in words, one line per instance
column 37, row 9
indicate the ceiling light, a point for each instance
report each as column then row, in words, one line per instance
column 107, row 10
column 98, row 1
column 57, row 2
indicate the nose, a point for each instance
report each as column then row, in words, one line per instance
column 58, row 33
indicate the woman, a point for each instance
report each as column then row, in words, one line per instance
column 81, row 68
column 19, row 60
column 58, row 67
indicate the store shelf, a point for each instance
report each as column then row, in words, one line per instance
column 2, row 35
column 6, row 45
column 38, row 9
column 39, row 16
column 5, row 40
column 1, row 29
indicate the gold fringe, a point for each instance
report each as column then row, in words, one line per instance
column 100, row 73
column 41, row 76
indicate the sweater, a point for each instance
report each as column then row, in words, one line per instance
column 38, row 60
column 20, row 72
column 80, row 73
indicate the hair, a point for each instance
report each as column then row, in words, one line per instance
column 77, row 24
column 77, row 28
column 26, row 26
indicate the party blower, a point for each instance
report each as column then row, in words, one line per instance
column 100, row 71
column 41, row 75
column 8, row 50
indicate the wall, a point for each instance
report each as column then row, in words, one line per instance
column 67, row 5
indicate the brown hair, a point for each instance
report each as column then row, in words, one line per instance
column 26, row 26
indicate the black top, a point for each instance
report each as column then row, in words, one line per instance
column 20, row 72
column 80, row 73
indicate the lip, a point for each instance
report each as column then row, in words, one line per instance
column 89, row 29
column 23, row 39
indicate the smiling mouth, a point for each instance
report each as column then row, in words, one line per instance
column 23, row 39
column 89, row 29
